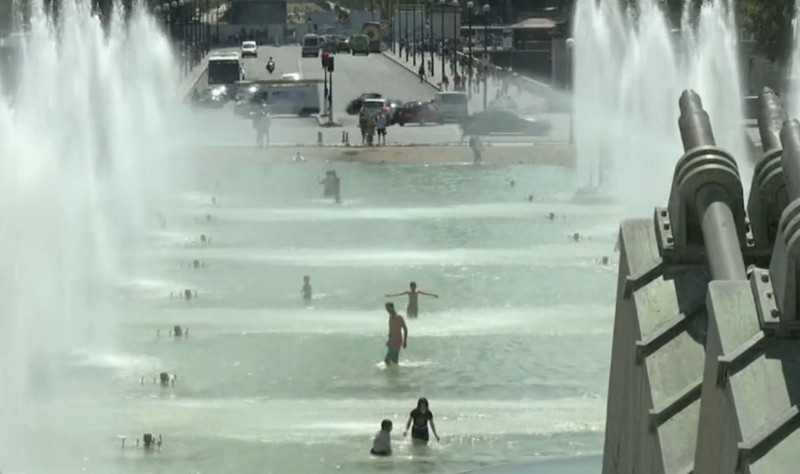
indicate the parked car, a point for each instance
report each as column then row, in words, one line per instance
column 492, row 122
column 249, row 49
column 419, row 112
column 355, row 105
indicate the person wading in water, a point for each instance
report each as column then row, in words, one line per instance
column 418, row 421
column 412, row 310
column 398, row 336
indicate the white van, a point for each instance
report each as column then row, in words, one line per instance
column 311, row 46
column 454, row 105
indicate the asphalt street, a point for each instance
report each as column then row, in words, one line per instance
column 353, row 75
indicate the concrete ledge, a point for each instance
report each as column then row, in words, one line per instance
column 544, row 154
column 403, row 65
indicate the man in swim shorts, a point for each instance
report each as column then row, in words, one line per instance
column 412, row 310
column 398, row 336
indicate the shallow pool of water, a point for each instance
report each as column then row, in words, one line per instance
column 513, row 356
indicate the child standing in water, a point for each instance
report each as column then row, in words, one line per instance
column 412, row 310
column 306, row 290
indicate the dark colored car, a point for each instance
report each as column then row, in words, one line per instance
column 419, row 112
column 393, row 105
column 211, row 97
column 343, row 45
column 355, row 105
column 492, row 122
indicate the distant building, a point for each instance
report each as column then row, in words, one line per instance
column 258, row 12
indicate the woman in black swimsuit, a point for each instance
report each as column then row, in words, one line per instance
column 418, row 421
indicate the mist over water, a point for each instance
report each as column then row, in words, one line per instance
column 90, row 118
column 629, row 72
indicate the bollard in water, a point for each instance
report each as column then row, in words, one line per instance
column 319, row 138
column 344, row 134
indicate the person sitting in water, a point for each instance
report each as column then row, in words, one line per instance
column 412, row 310
column 382, row 443
column 418, row 421
column 306, row 290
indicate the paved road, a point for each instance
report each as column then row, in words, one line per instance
column 353, row 75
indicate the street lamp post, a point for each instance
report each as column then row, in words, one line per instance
column 422, row 39
column 486, row 10
column 456, row 11
column 470, row 70
column 570, row 46
column 441, row 14
column 414, row 34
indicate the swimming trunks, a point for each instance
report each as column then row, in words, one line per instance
column 412, row 311
column 392, row 353
column 420, row 433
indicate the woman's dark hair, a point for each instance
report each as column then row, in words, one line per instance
column 421, row 401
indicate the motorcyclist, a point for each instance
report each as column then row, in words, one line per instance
column 270, row 65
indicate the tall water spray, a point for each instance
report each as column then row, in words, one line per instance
column 89, row 118
column 629, row 72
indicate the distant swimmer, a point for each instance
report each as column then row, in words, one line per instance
column 382, row 443
column 575, row 237
column 398, row 336
column 418, row 421
column 214, row 200
column 298, row 158
column 306, row 290
column 413, row 295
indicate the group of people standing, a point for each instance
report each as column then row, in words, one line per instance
column 371, row 123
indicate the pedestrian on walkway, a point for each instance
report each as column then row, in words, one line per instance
column 421, row 73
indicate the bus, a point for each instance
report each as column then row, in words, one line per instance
column 224, row 69
column 373, row 30
column 359, row 45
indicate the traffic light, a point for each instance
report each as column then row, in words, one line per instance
column 327, row 62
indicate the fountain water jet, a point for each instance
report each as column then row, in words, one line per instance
column 628, row 70
column 90, row 116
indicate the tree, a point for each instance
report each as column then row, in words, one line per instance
column 770, row 22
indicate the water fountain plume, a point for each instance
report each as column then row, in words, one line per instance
column 629, row 72
column 82, row 144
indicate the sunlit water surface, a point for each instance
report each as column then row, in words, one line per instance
column 513, row 355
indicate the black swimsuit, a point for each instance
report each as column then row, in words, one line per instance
column 419, row 428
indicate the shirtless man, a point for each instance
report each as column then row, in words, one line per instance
column 398, row 336
column 413, row 295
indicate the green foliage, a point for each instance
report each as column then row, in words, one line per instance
column 770, row 22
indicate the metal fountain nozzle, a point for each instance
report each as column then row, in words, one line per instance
column 768, row 191
column 706, row 205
